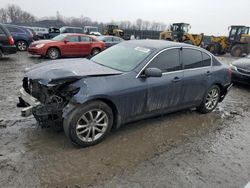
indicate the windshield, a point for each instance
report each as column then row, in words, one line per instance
column 122, row 57
column 58, row 38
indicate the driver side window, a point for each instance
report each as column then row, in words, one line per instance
column 167, row 61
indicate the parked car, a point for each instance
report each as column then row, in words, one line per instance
column 67, row 45
column 241, row 70
column 71, row 30
column 32, row 32
column 132, row 80
column 7, row 44
column 90, row 30
column 21, row 36
column 52, row 32
column 110, row 40
column 41, row 32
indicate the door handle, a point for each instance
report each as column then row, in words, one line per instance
column 208, row 73
column 176, row 79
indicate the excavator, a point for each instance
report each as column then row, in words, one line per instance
column 179, row 32
column 113, row 30
column 237, row 43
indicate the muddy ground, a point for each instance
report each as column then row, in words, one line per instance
column 184, row 149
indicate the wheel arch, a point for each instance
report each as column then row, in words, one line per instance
column 116, row 114
column 54, row 47
column 222, row 90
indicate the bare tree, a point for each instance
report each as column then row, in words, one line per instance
column 3, row 16
column 139, row 23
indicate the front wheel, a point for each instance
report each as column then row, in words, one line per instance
column 53, row 53
column 89, row 124
column 210, row 100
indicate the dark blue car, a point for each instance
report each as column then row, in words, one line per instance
column 22, row 36
column 130, row 81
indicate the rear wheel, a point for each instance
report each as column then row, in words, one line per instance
column 53, row 53
column 210, row 100
column 95, row 51
column 21, row 45
column 237, row 51
column 89, row 124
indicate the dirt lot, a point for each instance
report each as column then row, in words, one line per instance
column 184, row 149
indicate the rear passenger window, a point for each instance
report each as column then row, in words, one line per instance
column 192, row 58
column 167, row 61
column 206, row 59
column 85, row 39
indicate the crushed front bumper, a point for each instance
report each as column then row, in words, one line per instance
column 30, row 100
column 46, row 115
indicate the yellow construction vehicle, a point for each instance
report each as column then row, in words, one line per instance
column 179, row 32
column 237, row 43
column 113, row 30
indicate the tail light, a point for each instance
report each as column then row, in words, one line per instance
column 11, row 40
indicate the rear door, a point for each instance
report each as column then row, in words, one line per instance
column 165, row 93
column 85, row 45
column 197, row 75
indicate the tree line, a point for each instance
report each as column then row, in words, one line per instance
column 14, row 14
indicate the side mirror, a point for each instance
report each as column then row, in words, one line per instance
column 153, row 72
column 66, row 40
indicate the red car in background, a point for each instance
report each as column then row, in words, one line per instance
column 67, row 45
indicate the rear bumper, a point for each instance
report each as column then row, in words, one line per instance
column 224, row 92
column 9, row 50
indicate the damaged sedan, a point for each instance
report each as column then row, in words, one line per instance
column 130, row 81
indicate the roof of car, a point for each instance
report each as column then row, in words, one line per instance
column 71, row 27
column 157, row 44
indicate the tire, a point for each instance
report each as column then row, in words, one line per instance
column 53, row 53
column 237, row 51
column 95, row 51
column 210, row 100
column 214, row 48
column 85, row 131
column 21, row 45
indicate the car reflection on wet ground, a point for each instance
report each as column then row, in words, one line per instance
column 183, row 149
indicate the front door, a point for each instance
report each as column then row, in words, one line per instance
column 165, row 93
column 71, row 47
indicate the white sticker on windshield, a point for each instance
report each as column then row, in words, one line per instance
column 141, row 49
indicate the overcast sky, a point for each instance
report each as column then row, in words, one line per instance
column 208, row 16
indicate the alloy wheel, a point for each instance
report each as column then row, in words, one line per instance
column 212, row 99
column 92, row 125
column 21, row 45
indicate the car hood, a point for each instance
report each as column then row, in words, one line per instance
column 243, row 63
column 67, row 69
